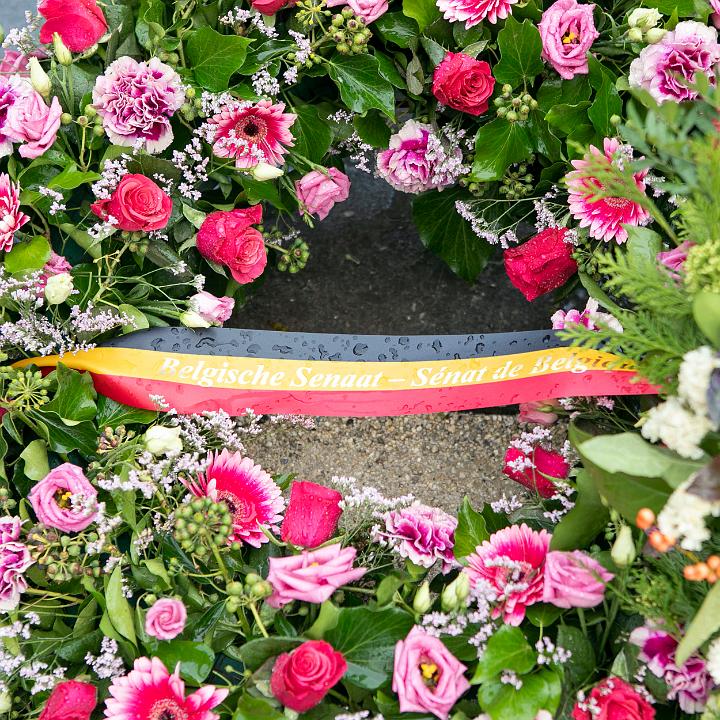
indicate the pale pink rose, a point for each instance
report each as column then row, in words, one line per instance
column 318, row 192
column 574, row 580
column 14, row 561
column 567, row 30
column 166, row 619
column 9, row 528
column 212, row 309
column 667, row 69
column 11, row 217
column 427, row 677
column 674, row 260
column 64, row 499
column 531, row 412
column 368, row 10
column 312, row 576
column 31, row 122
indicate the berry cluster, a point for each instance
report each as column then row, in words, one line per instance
column 349, row 33
column 514, row 108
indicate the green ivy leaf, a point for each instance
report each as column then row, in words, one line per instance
column 111, row 414
column 507, row 649
column 313, row 135
column 214, row 58
column 372, row 129
column 196, row 659
column 556, row 91
column 118, row 608
column 389, row 70
column 250, row 707
column 498, row 145
column 520, row 49
column 448, row 235
column 566, row 117
column 256, row 652
column 582, row 664
column 35, row 460
column 396, row 28
column 27, row 256
column 607, row 103
column 71, row 178
column 75, row 396
column 361, row 85
column 470, row 532
column 424, row 12
column 64, row 437
column 540, row 691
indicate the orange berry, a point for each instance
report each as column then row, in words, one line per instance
column 712, row 578
column 658, row 541
column 713, row 562
column 690, row 572
column 703, row 571
column 645, row 518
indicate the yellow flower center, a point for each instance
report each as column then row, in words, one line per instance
column 429, row 670
column 569, row 37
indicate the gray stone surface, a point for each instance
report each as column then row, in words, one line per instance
column 12, row 13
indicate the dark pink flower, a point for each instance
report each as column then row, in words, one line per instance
column 318, row 192
column 70, row 700
column 674, row 260
column 537, row 469
column 11, row 88
column 312, row 514
column 80, row 23
column 166, row 619
column 11, row 217
column 14, row 561
column 14, row 63
column 472, row 12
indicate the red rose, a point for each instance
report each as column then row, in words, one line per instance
column 541, row 264
column 301, row 679
column 463, row 83
column 80, row 23
column 546, row 462
column 226, row 238
column 269, row 7
column 70, row 700
column 613, row 699
column 137, row 204
column 312, row 514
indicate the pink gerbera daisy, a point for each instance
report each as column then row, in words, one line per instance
column 249, row 492
column 605, row 217
column 472, row 12
column 11, row 218
column 252, row 133
column 511, row 563
column 150, row 692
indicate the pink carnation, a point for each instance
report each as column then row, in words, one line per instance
column 568, row 31
column 318, row 192
column 605, row 217
column 136, row 101
column 587, row 318
column 64, row 499
column 422, row 534
column 31, row 122
column 14, row 561
column 11, row 217
column 667, row 69
column 166, row 619
column 313, row 575
column 511, row 563
column 9, row 528
column 472, row 12
column 252, row 133
column 411, row 163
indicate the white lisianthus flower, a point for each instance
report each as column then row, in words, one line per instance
column 644, row 18
column 59, row 288
column 161, row 440
column 192, row 319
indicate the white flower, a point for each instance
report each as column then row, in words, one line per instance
column 6, row 702
column 694, row 377
column 644, row 18
column 713, row 660
column 264, row 171
column 59, row 288
column 161, row 440
column 39, row 78
column 677, row 427
column 623, row 549
column 683, row 517
column 192, row 319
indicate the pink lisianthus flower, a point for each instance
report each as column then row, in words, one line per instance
column 252, row 133
column 574, row 580
column 11, row 88
column 318, row 192
column 472, row 12
column 604, row 217
column 31, row 122
column 166, row 619
column 64, row 499
column 568, row 31
column 214, row 310
column 537, row 412
column 11, row 217
column 588, row 318
column 690, row 684
column 512, row 563
column 667, row 69
column 251, row 495
column 150, row 691
column 313, row 575
column 674, row 260
column 422, row 534
column 416, row 161
column 427, row 677
column 136, row 101
column 368, row 10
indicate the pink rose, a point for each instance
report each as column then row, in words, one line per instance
column 368, row 10
column 537, row 412
column 55, row 499
column 427, row 677
column 268, row 7
column 312, row 514
column 70, row 700
column 567, row 30
column 80, row 23
column 14, row 561
column 31, row 122
column 318, row 192
column 313, row 576
column 214, row 310
column 613, row 699
column 574, row 580
column 137, row 203
column 227, row 238
column 166, row 619
column 674, row 260
column 463, row 83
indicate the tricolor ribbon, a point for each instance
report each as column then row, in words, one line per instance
column 345, row 375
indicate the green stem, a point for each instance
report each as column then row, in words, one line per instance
column 256, row 615
column 220, row 563
column 50, row 593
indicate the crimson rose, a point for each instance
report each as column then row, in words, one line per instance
column 542, row 264
column 227, row 238
column 80, row 23
column 312, row 514
column 137, row 204
column 70, row 700
column 269, row 7
column 301, row 679
column 463, row 83
column 613, row 699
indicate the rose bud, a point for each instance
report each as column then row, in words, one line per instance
column 162, row 440
column 71, row 700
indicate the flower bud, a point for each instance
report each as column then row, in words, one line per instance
column 454, row 595
column 192, row 319
column 264, row 171
column 422, row 601
column 63, row 55
column 655, row 35
column 644, row 18
column 6, row 702
column 635, row 34
column 161, row 440
column 39, row 78
column 59, row 288
column 623, row 549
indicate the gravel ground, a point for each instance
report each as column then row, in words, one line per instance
column 438, row 458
